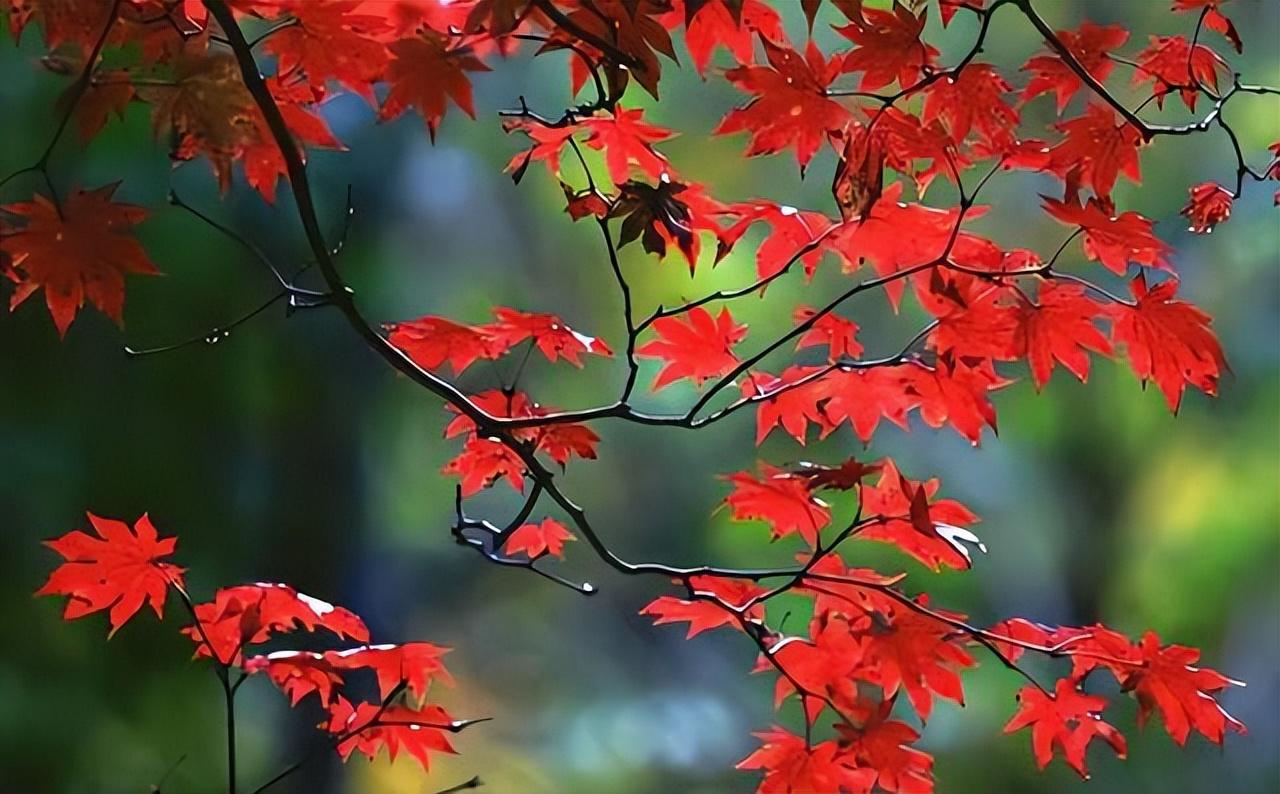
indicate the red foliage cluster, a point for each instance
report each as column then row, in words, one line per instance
column 901, row 124
column 124, row 568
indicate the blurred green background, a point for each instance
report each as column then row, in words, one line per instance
column 288, row 452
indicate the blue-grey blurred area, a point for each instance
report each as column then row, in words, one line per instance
column 288, row 452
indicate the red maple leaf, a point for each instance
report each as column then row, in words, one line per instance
column 835, row 332
column 884, row 745
column 907, row 515
column 1170, row 63
column 1168, row 341
column 368, row 727
column 819, row 669
column 535, row 540
column 791, row 766
column 77, row 252
column 424, row 73
column 413, row 664
column 732, row 24
column 553, row 338
column 917, row 653
column 954, row 393
column 263, row 161
column 697, row 348
column 298, row 674
column 790, row 231
column 1091, row 45
column 1066, row 720
column 1098, row 148
column 704, row 614
column 563, row 440
column 887, row 47
column 120, row 570
column 790, row 106
column 1167, row 680
column 250, row 614
column 1213, row 18
column 862, row 397
column 1209, row 205
column 784, row 405
column 1114, row 240
column 974, row 100
column 781, row 499
column 1061, row 328
column 627, row 141
column 331, row 41
column 431, row 342
column 484, row 461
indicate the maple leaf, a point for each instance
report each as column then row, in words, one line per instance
column 1098, row 148
column 431, row 342
column 1170, row 63
column 563, row 440
column 1091, row 45
column 251, row 614
column 781, row 499
column 207, row 110
column 790, row 231
column 791, row 766
column 835, row 332
column 862, row 397
column 697, row 348
column 981, row 325
column 626, row 141
column 954, row 393
column 658, row 217
column 790, row 106
column 108, row 95
column 839, row 590
column 1168, row 341
column 560, row 440
column 484, row 461
column 534, row 540
column 635, row 29
column 297, row 673
column 553, row 338
column 907, row 650
column 1061, row 328
column 263, row 161
column 368, row 727
column 895, row 236
column 704, row 614
column 974, row 100
column 413, row 664
column 819, row 669
column 1114, row 240
column 120, row 570
column 331, row 41
column 71, row 22
column 907, row 515
column 424, row 73
column 843, row 477
column 1213, row 18
column 1209, row 205
column 1066, row 720
column 883, row 745
column 887, row 47
column 1166, row 679
column 731, row 24
column 783, row 404
column 77, row 252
